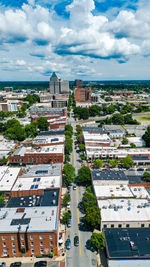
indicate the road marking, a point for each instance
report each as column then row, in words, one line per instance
column 78, row 221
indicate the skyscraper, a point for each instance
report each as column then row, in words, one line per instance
column 58, row 86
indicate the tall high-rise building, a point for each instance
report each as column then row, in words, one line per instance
column 58, row 86
column 78, row 83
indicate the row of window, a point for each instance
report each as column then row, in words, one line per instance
column 127, row 225
column 31, row 237
column 31, row 244
column 32, row 251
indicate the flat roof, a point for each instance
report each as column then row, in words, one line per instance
column 92, row 129
column 45, row 109
column 139, row 191
column 53, row 132
column 128, row 243
column 48, row 139
column 38, row 219
column 32, row 183
column 96, row 137
column 48, row 198
column 124, row 210
column 43, row 149
column 109, row 175
column 42, row 170
column 8, row 176
column 109, row 191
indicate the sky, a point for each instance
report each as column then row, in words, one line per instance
column 78, row 39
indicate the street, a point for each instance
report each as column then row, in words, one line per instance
column 81, row 255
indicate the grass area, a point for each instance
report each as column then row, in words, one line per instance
column 146, row 118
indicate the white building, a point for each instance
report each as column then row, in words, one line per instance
column 138, row 141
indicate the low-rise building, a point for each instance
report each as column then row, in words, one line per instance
column 6, row 147
column 8, row 177
column 138, row 141
column 128, row 247
column 37, row 155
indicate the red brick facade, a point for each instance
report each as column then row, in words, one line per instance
column 82, row 95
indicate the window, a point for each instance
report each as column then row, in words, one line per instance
column 51, row 243
column 3, row 237
column 142, row 225
column 22, row 237
column 12, row 237
column 31, row 237
column 14, row 251
column 4, row 252
column 22, row 244
column 4, row 244
column 51, row 250
column 32, row 244
column 105, row 225
column 127, row 225
column 41, row 250
column 13, row 244
column 50, row 237
column 40, row 237
column 112, row 225
column 41, row 244
column 149, row 225
column 119, row 225
column 32, row 250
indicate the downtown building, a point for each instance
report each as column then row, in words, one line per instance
column 58, row 86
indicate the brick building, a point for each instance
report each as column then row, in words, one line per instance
column 123, row 93
column 37, row 155
column 82, row 95
column 47, row 112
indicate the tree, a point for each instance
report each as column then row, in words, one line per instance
column 78, row 128
column 32, row 99
column 68, row 146
column 4, row 160
column 94, row 110
column 98, row 241
column 113, row 163
column 127, row 162
column 98, row 163
column 43, row 124
column 69, row 172
column 132, row 145
column 68, row 133
column 146, row 177
column 118, row 119
column 66, row 199
column 67, row 158
column 69, row 128
column 125, row 141
column 82, row 156
column 85, row 114
column 129, row 120
column 65, row 217
column 80, row 138
column 84, row 174
column 30, row 129
column 15, row 133
column 11, row 123
column 81, row 147
column 92, row 217
column 89, row 200
column 146, row 137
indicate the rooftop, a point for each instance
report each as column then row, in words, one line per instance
column 124, row 210
column 8, row 176
column 92, row 129
column 52, row 132
column 109, row 191
column 48, row 139
column 42, row 170
column 109, row 175
column 128, row 243
column 36, row 150
column 43, row 219
column 48, row 198
column 45, row 109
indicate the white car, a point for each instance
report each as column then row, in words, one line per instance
column 68, row 205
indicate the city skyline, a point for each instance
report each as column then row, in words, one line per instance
column 86, row 39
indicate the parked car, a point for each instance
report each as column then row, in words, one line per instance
column 70, row 215
column 68, row 205
column 140, row 169
column 15, row 264
column 69, row 223
column 74, row 187
column 40, row 264
column 76, row 241
column 2, row 264
column 68, row 243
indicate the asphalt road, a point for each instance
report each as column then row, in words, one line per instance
column 81, row 255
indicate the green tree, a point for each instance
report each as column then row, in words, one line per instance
column 98, row 163
column 118, row 119
column 146, row 177
column 82, row 156
column 31, row 129
column 2, row 199
column 92, row 217
column 4, row 160
column 66, row 200
column 80, row 138
column 67, row 158
column 113, row 163
column 69, row 172
column 68, row 133
column 43, row 124
column 125, row 141
column 69, row 128
column 15, row 133
column 81, row 147
column 85, row 114
column 78, row 128
column 65, row 217
column 132, row 145
column 84, row 174
column 127, row 162
column 89, row 200
column 11, row 123
column 68, row 145
column 98, row 241
column 146, row 137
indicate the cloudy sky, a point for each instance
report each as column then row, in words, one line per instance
column 88, row 39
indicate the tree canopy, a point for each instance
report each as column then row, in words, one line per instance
column 89, row 200
column 98, row 163
column 43, row 124
column 98, row 241
column 69, row 172
column 146, row 137
column 127, row 162
column 92, row 217
column 66, row 199
column 146, row 177
column 84, row 174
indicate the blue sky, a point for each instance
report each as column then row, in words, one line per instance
column 92, row 40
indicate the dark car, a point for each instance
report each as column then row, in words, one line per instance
column 68, row 243
column 140, row 169
column 15, row 264
column 70, row 215
column 69, row 223
column 40, row 264
column 76, row 241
